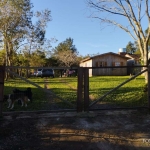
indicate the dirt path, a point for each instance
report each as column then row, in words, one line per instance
column 51, row 105
column 91, row 97
column 105, row 130
column 66, row 83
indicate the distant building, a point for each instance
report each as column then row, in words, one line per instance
column 134, row 60
column 103, row 60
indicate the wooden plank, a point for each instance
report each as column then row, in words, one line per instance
column 149, row 87
column 80, row 90
column 2, row 73
column 86, row 89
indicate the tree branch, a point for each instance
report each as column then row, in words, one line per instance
column 128, row 17
column 103, row 8
column 117, row 24
column 148, row 16
column 137, row 24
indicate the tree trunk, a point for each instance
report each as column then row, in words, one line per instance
column 145, row 60
column 6, row 60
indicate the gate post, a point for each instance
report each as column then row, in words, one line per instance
column 86, row 89
column 80, row 90
column 2, row 73
column 149, row 86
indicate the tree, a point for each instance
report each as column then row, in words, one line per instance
column 65, row 45
column 36, row 43
column 36, row 35
column 66, row 53
column 130, row 48
column 18, row 32
column 135, row 13
column 37, row 59
column 15, row 18
column 67, row 58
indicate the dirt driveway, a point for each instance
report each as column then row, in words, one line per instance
column 103, row 130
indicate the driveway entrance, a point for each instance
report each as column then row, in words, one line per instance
column 105, row 130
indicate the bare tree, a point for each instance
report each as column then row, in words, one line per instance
column 67, row 58
column 135, row 13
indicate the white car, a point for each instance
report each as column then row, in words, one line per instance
column 39, row 72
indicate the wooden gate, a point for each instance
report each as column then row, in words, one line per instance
column 83, row 103
column 2, row 73
column 83, row 89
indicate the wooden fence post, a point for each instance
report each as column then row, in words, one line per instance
column 80, row 90
column 149, row 87
column 2, row 73
column 86, row 89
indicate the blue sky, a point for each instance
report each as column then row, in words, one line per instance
column 70, row 18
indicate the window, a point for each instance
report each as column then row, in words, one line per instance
column 100, row 64
column 117, row 63
column 96, row 64
column 121, row 63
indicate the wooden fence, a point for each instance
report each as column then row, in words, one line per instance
column 2, row 74
column 82, row 88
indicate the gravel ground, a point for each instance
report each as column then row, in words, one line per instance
column 105, row 130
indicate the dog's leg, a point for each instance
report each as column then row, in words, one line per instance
column 9, row 103
column 22, row 102
column 12, row 106
column 26, row 100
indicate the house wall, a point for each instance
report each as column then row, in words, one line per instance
column 88, row 63
column 109, row 60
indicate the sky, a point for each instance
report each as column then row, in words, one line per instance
column 70, row 18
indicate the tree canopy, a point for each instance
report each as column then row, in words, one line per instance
column 15, row 19
column 18, row 32
column 66, row 53
column 130, row 48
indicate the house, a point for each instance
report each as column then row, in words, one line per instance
column 134, row 57
column 105, row 60
column 135, row 60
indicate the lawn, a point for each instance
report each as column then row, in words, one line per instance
column 129, row 95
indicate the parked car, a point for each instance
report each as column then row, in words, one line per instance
column 38, row 73
column 47, row 73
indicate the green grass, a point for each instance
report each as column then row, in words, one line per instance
column 64, row 88
column 131, row 94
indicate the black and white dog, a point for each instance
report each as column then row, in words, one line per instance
column 12, row 98
column 18, row 95
column 26, row 92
